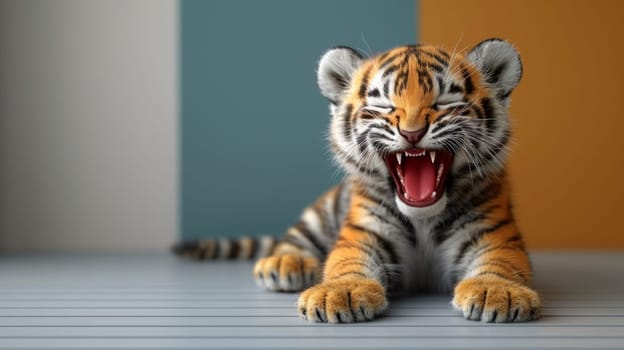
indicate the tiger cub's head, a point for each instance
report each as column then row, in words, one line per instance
column 419, row 120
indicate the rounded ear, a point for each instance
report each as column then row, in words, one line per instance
column 335, row 71
column 499, row 64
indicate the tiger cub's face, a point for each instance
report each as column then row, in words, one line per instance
column 420, row 118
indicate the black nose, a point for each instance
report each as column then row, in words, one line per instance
column 413, row 136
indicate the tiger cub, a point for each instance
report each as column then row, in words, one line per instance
column 422, row 135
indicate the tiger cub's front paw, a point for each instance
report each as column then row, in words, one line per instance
column 343, row 301
column 494, row 299
column 287, row 273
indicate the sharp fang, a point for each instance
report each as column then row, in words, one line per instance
column 432, row 154
column 399, row 157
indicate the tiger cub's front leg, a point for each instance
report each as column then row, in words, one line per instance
column 495, row 286
column 355, row 277
column 288, row 272
column 289, row 268
column 295, row 263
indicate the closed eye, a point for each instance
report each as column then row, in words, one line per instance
column 379, row 109
column 448, row 105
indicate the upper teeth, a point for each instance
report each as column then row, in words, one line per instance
column 419, row 154
column 399, row 156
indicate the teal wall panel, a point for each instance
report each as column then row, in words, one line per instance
column 253, row 124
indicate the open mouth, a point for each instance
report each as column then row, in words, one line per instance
column 419, row 175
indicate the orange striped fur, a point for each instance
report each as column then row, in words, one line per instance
column 391, row 227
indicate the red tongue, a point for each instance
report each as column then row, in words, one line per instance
column 419, row 177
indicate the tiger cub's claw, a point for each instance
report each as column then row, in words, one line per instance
column 343, row 301
column 287, row 272
column 493, row 299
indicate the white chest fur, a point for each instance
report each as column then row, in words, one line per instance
column 428, row 265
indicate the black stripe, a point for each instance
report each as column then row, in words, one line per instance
column 441, row 61
column 383, row 56
column 404, row 231
column 446, row 132
column 436, row 67
column 319, row 209
column 391, row 59
column 389, row 71
column 477, row 110
column 488, row 111
column 441, row 85
column 184, row 246
column 272, row 246
column 347, row 121
column 498, row 261
column 475, row 237
column 515, row 238
column 305, row 231
column 454, row 88
column 404, row 220
column 442, row 233
column 386, row 88
column 443, row 53
column 503, row 246
column 371, row 252
column 234, row 249
column 424, row 78
column 501, row 95
column 341, row 80
column 349, row 160
column 253, row 249
column 216, row 250
column 336, row 206
column 504, row 264
column 292, row 240
column 361, row 142
column 468, row 84
column 507, row 268
column 458, row 219
column 494, row 228
column 384, row 127
column 373, row 93
column 487, row 156
column 384, row 243
column 361, row 246
column 380, row 147
column 363, row 85
column 380, row 136
column 440, row 124
column 493, row 76
column 400, row 81
column 384, row 218
column 340, row 275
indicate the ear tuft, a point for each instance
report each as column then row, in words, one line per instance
column 335, row 71
column 499, row 64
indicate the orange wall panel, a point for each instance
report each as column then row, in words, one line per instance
column 566, row 164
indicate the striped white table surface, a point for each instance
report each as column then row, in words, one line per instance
column 158, row 301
